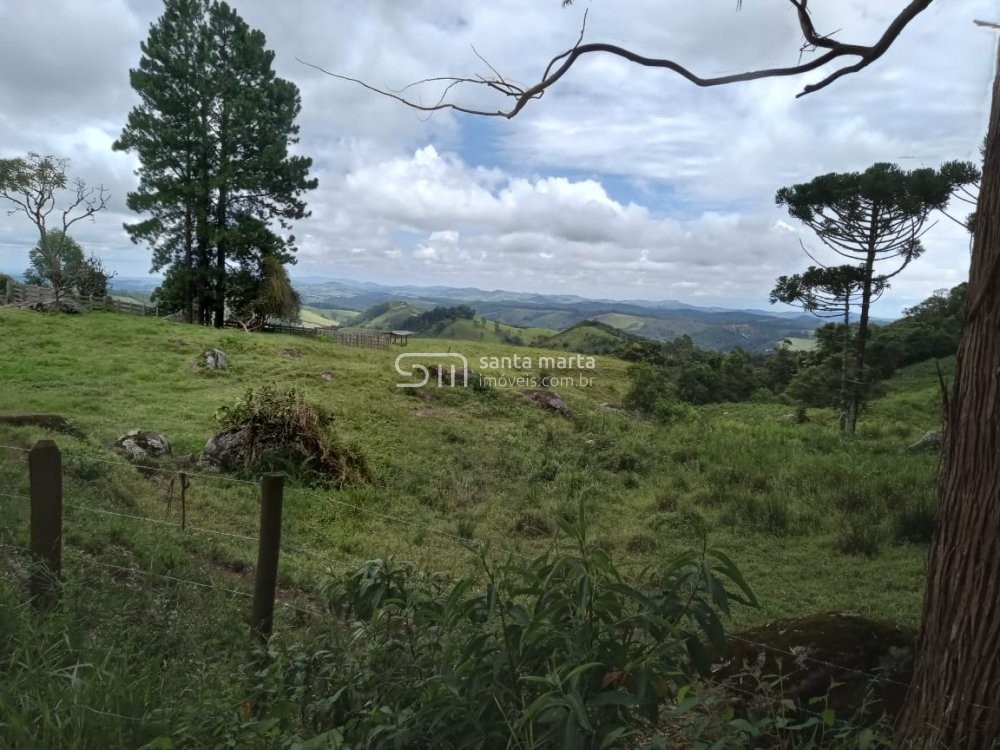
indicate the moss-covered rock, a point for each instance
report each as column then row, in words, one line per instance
column 859, row 666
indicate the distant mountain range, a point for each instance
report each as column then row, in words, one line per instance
column 661, row 320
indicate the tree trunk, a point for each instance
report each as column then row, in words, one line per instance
column 222, row 208
column 844, row 366
column 858, row 381
column 954, row 699
column 221, row 245
column 189, row 285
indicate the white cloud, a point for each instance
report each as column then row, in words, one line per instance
column 619, row 182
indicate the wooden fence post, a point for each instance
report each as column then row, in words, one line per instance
column 45, row 476
column 266, row 576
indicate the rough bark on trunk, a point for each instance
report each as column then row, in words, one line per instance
column 858, row 379
column 954, row 699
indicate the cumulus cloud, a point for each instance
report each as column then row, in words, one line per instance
column 621, row 182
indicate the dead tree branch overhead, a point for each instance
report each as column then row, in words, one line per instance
column 518, row 96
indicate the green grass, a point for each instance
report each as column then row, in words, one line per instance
column 488, row 331
column 630, row 323
column 816, row 521
column 798, row 344
column 587, row 338
column 315, row 318
column 386, row 316
column 325, row 315
column 770, row 491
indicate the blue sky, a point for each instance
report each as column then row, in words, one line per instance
column 619, row 182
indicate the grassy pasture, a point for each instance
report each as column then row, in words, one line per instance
column 815, row 520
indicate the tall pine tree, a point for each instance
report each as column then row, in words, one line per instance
column 212, row 134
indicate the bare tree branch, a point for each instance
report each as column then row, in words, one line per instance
column 561, row 64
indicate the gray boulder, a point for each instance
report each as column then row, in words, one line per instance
column 232, row 449
column 550, row 400
column 136, row 445
column 226, row 450
column 931, row 441
column 216, row 359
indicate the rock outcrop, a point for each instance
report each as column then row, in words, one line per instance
column 549, row 400
column 216, row 359
column 138, row 445
column 930, row 441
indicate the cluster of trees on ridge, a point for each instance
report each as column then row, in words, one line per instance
column 876, row 219
column 439, row 315
column 680, row 371
column 60, row 264
column 33, row 185
column 212, row 133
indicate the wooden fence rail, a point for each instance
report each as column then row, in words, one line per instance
column 45, row 479
column 276, row 328
column 26, row 294
column 364, row 339
column 30, row 294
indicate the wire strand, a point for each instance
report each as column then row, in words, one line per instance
column 156, row 469
column 174, row 579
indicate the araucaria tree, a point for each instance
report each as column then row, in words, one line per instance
column 830, row 293
column 877, row 218
column 38, row 187
column 212, row 132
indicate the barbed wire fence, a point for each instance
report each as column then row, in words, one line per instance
column 178, row 485
column 189, row 491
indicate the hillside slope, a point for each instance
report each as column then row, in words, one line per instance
column 590, row 337
column 385, row 316
column 782, row 499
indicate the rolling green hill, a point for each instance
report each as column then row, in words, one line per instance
column 589, row 337
column 317, row 317
column 386, row 315
column 814, row 521
column 487, row 331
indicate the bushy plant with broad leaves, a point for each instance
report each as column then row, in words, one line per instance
column 557, row 651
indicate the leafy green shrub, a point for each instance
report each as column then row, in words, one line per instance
column 554, row 652
column 288, row 433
